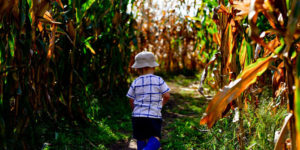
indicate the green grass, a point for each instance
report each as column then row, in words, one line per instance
column 184, row 132
column 110, row 123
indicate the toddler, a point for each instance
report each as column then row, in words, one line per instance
column 148, row 93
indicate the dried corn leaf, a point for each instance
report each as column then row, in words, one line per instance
column 233, row 90
column 52, row 41
column 280, row 142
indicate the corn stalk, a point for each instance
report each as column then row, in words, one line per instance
column 282, row 47
column 52, row 54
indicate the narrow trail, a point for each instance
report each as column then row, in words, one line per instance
column 183, row 98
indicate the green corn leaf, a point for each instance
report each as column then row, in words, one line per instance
column 280, row 48
column 29, row 14
column 195, row 18
column 84, row 7
column 249, row 54
column 243, row 53
column 89, row 46
column 11, row 44
column 77, row 14
column 87, row 5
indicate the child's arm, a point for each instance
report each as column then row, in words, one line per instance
column 166, row 97
column 131, row 103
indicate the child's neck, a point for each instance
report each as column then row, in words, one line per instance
column 148, row 71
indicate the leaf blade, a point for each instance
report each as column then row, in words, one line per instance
column 233, row 90
column 297, row 100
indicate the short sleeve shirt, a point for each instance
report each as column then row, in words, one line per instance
column 147, row 91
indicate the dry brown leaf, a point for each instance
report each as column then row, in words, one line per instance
column 243, row 7
column 280, row 142
column 49, row 18
column 52, row 41
column 217, row 39
column 233, row 90
column 223, row 9
column 40, row 26
column 271, row 46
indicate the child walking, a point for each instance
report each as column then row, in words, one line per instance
column 148, row 93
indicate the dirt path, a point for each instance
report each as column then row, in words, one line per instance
column 181, row 98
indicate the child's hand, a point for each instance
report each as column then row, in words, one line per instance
column 166, row 98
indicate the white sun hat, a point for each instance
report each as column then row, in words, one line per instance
column 144, row 59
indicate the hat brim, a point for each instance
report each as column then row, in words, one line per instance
column 143, row 65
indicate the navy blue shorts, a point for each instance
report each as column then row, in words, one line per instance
column 144, row 128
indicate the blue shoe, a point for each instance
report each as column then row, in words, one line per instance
column 153, row 144
column 140, row 145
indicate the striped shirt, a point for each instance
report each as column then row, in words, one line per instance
column 147, row 91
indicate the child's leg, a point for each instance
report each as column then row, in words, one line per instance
column 141, row 144
column 139, row 129
column 155, row 135
column 153, row 143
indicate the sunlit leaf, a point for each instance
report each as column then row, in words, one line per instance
column 243, row 7
column 52, row 41
column 84, row 7
column 281, row 47
column 11, row 43
column 243, row 52
column 31, row 12
column 216, row 38
column 230, row 43
column 40, row 26
column 233, row 90
column 88, row 45
column 194, row 18
column 213, row 29
column 48, row 16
